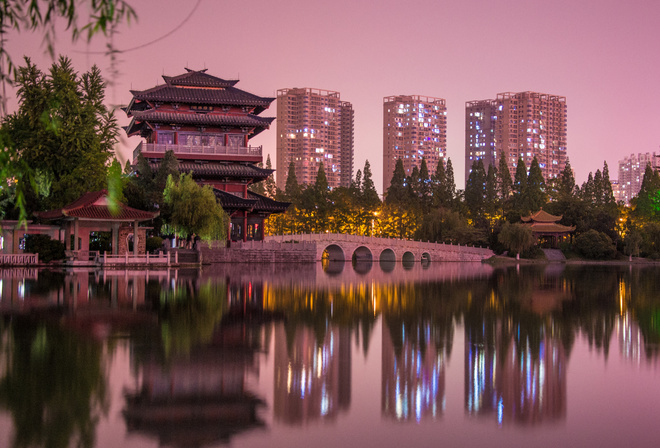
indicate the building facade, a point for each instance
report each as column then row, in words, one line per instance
column 514, row 125
column 314, row 126
column 631, row 174
column 207, row 123
column 414, row 128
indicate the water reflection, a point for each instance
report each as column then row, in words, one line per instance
column 200, row 340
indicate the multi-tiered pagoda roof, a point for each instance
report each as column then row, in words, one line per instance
column 215, row 102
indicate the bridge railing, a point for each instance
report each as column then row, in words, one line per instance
column 368, row 240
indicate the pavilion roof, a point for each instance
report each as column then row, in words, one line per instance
column 198, row 78
column 218, row 169
column 254, row 202
column 157, row 116
column 541, row 216
column 93, row 206
column 544, row 227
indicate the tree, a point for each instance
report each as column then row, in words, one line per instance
column 504, row 182
column 269, row 184
column 292, row 188
column 32, row 15
column 368, row 191
column 519, row 186
column 534, row 193
column 475, row 190
column 194, row 210
column 396, row 193
column 425, row 187
column 62, row 131
column 516, row 238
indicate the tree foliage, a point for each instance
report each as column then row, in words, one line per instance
column 194, row 210
column 62, row 136
column 516, row 238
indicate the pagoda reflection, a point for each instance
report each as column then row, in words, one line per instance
column 199, row 395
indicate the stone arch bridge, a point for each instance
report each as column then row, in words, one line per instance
column 340, row 247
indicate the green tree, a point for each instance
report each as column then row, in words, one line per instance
column 32, row 15
column 516, row 238
column 646, row 206
column 62, row 130
column 292, row 188
column 535, row 196
column 269, row 183
column 368, row 191
column 396, row 193
column 475, row 191
column 504, row 182
column 425, row 187
column 194, row 210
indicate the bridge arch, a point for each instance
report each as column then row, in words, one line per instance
column 426, row 257
column 408, row 257
column 387, row 255
column 334, row 252
column 362, row 253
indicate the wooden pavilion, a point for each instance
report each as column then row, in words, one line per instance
column 91, row 213
column 546, row 227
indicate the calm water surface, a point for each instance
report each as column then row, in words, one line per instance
column 388, row 355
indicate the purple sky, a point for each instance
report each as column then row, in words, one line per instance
column 602, row 55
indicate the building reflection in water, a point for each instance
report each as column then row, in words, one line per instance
column 413, row 372
column 312, row 373
column 515, row 362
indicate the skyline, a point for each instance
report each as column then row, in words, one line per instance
column 600, row 55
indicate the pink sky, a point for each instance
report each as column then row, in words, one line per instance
column 602, row 55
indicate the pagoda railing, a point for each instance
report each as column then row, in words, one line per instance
column 201, row 150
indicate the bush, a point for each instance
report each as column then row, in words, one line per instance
column 47, row 248
column 595, row 245
column 154, row 244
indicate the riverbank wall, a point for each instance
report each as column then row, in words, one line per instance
column 258, row 252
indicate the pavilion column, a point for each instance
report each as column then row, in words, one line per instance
column 115, row 238
column 244, row 226
column 135, row 238
column 76, row 226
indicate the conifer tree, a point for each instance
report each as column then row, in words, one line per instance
column 292, row 188
column 475, row 189
column 491, row 191
column 370, row 197
column 504, row 182
column 425, row 187
column 566, row 185
column 269, row 184
column 535, row 194
column 396, row 193
column 450, row 184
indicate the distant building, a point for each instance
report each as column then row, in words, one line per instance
column 616, row 190
column 207, row 123
column 631, row 174
column 414, row 127
column 524, row 124
column 313, row 127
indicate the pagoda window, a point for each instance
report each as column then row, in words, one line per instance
column 165, row 138
column 235, row 140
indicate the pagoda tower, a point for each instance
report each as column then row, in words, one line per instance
column 207, row 123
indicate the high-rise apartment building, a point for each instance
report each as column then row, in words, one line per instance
column 313, row 127
column 524, row 124
column 414, row 127
column 631, row 173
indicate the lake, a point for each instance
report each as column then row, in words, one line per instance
column 326, row 355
